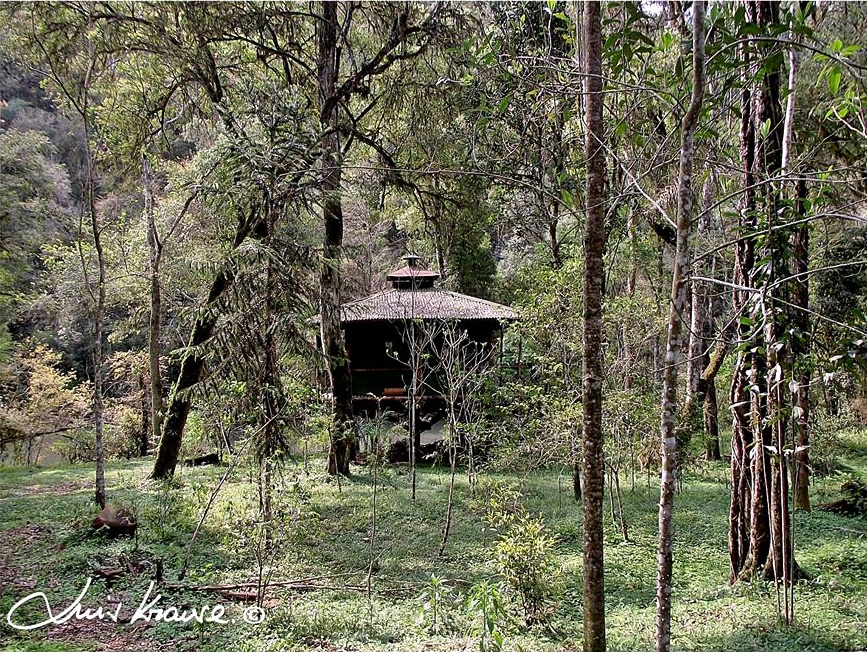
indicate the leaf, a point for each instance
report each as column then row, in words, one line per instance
column 666, row 41
column 775, row 374
column 834, row 76
column 504, row 104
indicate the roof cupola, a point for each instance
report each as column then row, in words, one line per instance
column 413, row 275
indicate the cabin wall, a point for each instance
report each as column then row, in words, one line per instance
column 372, row 368
column 376, row 372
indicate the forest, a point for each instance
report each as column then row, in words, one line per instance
column 427, row 325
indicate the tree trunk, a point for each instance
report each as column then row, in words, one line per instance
column 710, row 418
column 695, row 361
column 342, row 440
column 700, row 410
column 594, row 250
column 707, row 384
column 97, row 307
column 145, row 407
column 739, row 395
column 769, row 548
column 629, row 353
column 674, row 343
column 800, row 352
column 192, row 364
column 96, row 331
column 155, row 328
column 192, row 368
column 271, row 390
column 800, row 315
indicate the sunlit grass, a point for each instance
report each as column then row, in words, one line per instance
column 328, row 536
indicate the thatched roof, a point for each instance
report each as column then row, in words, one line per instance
column 423, row 303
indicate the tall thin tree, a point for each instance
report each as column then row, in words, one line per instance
column 594, row 250
column 674, row 343
column 155, row 322
column 341, row 440
column 75, row 67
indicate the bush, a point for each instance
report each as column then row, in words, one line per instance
column 525, row 559
column 78, row 447
column 122, row 440
column 119, row 440
column 524, row 554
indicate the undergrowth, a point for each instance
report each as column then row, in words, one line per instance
column 474, row 597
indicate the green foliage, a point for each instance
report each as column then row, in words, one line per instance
column 524, row 554
column 483, row 142
column 40, row 401
column 170, row 515
column 437, row 607
column 487, row 613
column 529, row 427
column 76, row 447
column 198, row 437
column 34, row 201
column 525, row 558
column 630, row 420
column 840, row 291
column 45, row 515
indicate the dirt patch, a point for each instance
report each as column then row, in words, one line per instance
column 71, row 487
column 16, row 547
column 110, row 637
column 15, row 544
column 28, row 533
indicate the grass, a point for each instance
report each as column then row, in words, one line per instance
column 45, row 545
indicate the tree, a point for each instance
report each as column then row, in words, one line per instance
column 155, row 317
column 594, row 251
column 674, row 343
column 35, row 203
column 341, row 440
column 75, row 67
column 38, row 400
column 760, row 531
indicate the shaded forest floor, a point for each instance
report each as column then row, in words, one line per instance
column 325, row 541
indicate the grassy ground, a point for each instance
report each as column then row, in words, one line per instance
column 45, row 546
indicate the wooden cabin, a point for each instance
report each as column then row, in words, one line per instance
column 376, row 332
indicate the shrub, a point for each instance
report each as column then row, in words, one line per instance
column 436, row 601
column 525, row 559
column 486, row 611
column 524, row 554
column 78, row 447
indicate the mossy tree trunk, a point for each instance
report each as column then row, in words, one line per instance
column 594, row 249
